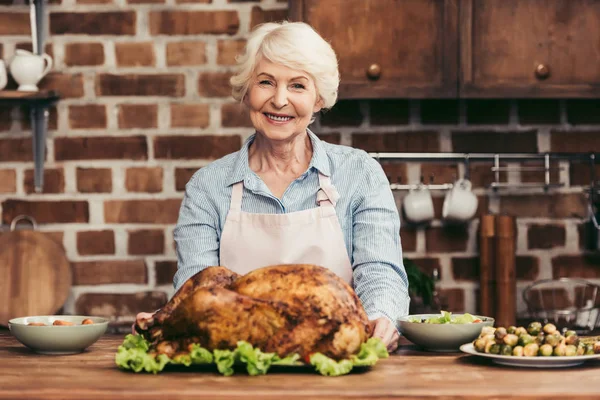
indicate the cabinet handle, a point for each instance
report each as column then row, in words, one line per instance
column 374, row 71
column 542, row 71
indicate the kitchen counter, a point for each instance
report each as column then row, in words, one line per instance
column 409, row 373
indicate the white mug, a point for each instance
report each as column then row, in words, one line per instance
column 418, row 205
column 3, row 75
column 28, row 69
column 460, row 204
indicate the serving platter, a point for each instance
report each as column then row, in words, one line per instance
column 530, row 362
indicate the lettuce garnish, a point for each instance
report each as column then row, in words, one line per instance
column 133, row 355
column 446, row 318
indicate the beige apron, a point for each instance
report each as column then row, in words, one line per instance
column 250, row 241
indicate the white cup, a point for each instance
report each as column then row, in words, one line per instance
column 28, row 69
column 418, row 205
column 3, row 75
column 460, row 204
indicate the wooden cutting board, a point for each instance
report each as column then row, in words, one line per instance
column 35, row 275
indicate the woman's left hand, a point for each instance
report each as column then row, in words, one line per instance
column 386, row 331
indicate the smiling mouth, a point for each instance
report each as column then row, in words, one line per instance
column 278, row 118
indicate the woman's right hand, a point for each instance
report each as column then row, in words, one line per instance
column 140, row 319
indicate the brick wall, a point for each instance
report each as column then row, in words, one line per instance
column 145, row 102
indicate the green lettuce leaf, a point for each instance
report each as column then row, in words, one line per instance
column 329, row 367
column 369, row 353
column 292, row 359
column 257, row 362
column 139, row 360
column 466, row 318
column 224, row 360
column 183, row 359
column 200, row 355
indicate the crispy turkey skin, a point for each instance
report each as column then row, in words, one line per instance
column 284, row 309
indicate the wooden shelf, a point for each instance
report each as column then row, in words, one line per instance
column 8, row 97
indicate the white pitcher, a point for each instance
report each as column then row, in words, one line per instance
column 3, row 75
column 28, row 69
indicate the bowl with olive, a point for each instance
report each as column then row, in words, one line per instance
column 537, row 345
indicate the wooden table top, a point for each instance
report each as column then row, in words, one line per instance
column 409, row 373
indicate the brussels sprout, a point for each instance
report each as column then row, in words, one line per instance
column 511, row 329
column 581, row 349
column 520, row 331
column 479, row 345
column 597, row 347
column 488, row 346
column 549, row 328
column 560, row 350
column 539, row 339
column 511, row 339
column 589, row 349
column 570, row 333
column 570, row 350
column 518, row 351
column 572, row 339
column 531, row 350
column 487, row 330
column 500, row 333
column 534, row 328
column 553, row 340
column 495, row 349
column 525, row 339
column 545, row 350
column 506, row 350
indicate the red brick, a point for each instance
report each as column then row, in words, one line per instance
column 488, row 111
column 580, row 174
column 539, row 176
column 6, row 118
column 16, row 150
column 228, row 50
column 47, row 212
column 56, row 236
column 440, row 172
column 447, row 239
column 395, row 171
column 333, row 138
column 527, row 268
column 142, row 179
column 114, row 305
column 142, row 211
column 26, row 118
column 425, row 141
column 214, row 84
column 574, row 141
column 193, row 22
column 94, row 180
column 95, row 242
column 165, row 270
column 182, row 176
column 146, row 241
column 235, row 115
column 576, row 266
column 1, row 51
column 191, row 147
column 548, row 299
column 193, row 1
column 186, row 53
column 189, row 115
column 408, row 238
column 172, row 85
column 84, row 54
column 93, row 23
column 88, row 116
column 545, row 236
column 100, row 148
column 260, row 16
column 8, row 181
column 135, row 54
column 137, row 116
column 498, row 142
column 481, row 175
column 145, row 1
column 572, row 205
column 14, row 24
column 94, row 1
column 389, row 112
column 452, row 300
column 344, row 113
column 67, row 85
column 465, row 268
column 54, row 181
column 48, row 48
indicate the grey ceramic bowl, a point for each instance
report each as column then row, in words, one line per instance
column 53, row 339
column 441, row 337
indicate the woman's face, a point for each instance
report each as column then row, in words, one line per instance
column 281, row 101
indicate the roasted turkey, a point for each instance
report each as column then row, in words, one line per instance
column 283, row 309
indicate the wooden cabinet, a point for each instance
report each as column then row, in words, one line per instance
column 530, row 48
column 389, row 48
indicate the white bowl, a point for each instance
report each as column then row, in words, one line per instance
column 441, row 337
column 57, row 339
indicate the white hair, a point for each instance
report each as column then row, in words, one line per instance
column 295, row 45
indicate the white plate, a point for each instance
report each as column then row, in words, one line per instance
column 530, row 362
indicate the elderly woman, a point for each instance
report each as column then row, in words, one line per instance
column 330, row 205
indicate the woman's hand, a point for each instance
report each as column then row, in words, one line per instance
column 386, row 331
column 141, row 320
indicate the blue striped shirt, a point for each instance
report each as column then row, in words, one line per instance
column 366, row 210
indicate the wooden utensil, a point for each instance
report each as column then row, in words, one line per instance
column 36, row 274
column 487, row 262
column 506, row 283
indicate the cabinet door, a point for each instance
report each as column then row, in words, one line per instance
column 530, row 48
column 389, row 48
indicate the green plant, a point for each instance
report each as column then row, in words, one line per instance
column 419, row 283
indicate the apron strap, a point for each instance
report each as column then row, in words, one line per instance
column 236, row 196
column 328, row 194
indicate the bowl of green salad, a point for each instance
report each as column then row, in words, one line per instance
column 443, row 332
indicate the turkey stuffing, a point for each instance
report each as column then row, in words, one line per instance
column 283, row 309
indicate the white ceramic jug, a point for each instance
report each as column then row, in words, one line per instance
column 3, row 75
column 28, row 69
